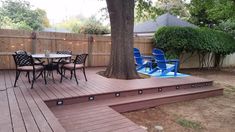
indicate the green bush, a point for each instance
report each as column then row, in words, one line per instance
column 176, row 40
column 217, row 42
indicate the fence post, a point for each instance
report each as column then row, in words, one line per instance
column 90, row 48
column 34, row 41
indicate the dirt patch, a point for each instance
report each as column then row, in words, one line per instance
column 201, row 115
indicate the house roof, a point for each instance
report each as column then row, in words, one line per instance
column 163, row 20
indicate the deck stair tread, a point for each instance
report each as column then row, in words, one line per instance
column 100, row 115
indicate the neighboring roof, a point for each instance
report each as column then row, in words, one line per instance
column 56, row 30
column 163, row 20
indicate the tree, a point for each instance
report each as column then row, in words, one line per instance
column 84, row 25
column 211, row 13
column 20, row 15
column 91, row 26
column 121, row 65
column 147, row 9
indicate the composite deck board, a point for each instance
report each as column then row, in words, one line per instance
column 65, row 92
column 45, row 119
column 73, row 91
column 50, row 91
column 36, row 113
column 32, row 111
column 24, row 109
column 5, row 116
column 17, row 119
column 78, row 89
column 2, row 81
column 28, row 118
column 82, row 90
column 88, row 115
column 106, row 120
column 55, row 90
column 63, row 88
column 129, row 129
column 51, row 119
column 8, row 81
column 47, row 91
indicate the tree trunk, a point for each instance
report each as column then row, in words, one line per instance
column 121, row 65
column 217, row 61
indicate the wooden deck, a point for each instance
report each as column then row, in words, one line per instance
column 91, row 105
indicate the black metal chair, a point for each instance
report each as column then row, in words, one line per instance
column 37, row 62
column 21, row 52
column 78, row 63
column 57, row 63
column 64, row 52
column 25, row 63
column 64, row 60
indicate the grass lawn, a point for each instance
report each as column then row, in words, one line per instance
column 202, row 115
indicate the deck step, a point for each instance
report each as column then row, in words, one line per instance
column 151, row 100
column 131, row 92
column 104, row 115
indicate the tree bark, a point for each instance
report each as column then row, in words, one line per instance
column 121, row 65
column 217, row 61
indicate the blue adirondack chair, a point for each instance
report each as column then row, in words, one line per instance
column 140, row 62
column 165, row 66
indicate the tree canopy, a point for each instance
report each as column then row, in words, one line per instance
column 147, row 9
column 84, row 25
column 18, row 14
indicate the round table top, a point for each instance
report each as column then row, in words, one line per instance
column 51, row 56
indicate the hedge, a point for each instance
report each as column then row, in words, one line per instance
column 176, row 40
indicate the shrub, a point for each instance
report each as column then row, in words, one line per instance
column 176, row 40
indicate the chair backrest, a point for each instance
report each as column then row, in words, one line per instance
column 159, row 57
column 136, row 52
column 23, row 60
column 80, row 59
column 64, row 52
column 21, row 52
column 138, row 57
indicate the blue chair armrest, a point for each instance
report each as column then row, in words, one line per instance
column 174, row 60
column 166, row 61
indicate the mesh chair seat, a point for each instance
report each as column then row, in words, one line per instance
column 30, row 68
column 61, row 61
column 71, row 66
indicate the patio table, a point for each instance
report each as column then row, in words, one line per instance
column 50, row 58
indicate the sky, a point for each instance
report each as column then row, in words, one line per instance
column 59, row 10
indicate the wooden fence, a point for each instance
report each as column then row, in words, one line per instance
column 98, row 47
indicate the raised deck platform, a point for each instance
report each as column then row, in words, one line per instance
column 91, row 105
